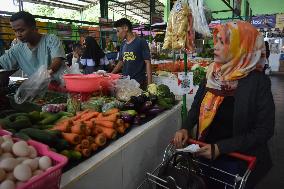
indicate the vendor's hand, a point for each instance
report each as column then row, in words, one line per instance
column 180, row 138
column 50, row 71
column 205, row 151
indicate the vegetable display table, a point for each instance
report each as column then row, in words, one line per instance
column 124, row 163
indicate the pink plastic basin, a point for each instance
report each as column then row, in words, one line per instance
column 83, row 83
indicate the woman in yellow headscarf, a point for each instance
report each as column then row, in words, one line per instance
column 234, row 108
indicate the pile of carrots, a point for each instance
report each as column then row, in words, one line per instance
column 88, row 130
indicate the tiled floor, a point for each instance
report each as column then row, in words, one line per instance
column 275, row 178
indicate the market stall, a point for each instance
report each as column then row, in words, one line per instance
column 109, row 122
column 127, row 159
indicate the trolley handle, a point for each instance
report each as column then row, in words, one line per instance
column 249, row 159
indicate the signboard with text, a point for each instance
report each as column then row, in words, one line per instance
column 264, row 21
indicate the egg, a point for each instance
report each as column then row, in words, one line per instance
column 7, row 146
column 44, row 163
column 21, row 149
column 10, row 176
column 2, row 174
column 21, row 159
column 6, row 155
column 33, row 163
column 7, row 138
column 33, row 152
column 8, row 164
column 1, row 140
column 8, row 184
column 37, row 172
column 22, row 172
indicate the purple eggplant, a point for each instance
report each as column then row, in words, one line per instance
column 154, row 111
column 127, row 118
column 137, row 120
column 129, row 106
column 142, row 116
column 145, row 107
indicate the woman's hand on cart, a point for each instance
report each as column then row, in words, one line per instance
column 207, row 151
column 180, row 139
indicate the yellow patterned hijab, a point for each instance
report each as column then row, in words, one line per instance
column 245, row 50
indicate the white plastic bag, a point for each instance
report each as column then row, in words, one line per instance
column 200, row 24
column 35, row 85
column 125, row 88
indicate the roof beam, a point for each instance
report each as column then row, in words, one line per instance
column 54, row 4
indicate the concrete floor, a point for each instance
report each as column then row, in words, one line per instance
column 275, row 178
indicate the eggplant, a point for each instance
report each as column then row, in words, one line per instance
column 145, row 107
column 142, row 98
column 129, row 106
column 137, row 120
column 153, row 98
column 154, row 111
column 142, row 116
column 127, row 118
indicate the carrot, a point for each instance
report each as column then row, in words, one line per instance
column 100, row 139
column 72, row 138
column 94, row 146
column 96, row 131
column 78, row 148
column 85, row 143
column 120, row 122
column 77, row 122
column 89, row 116
column 111, row 111
column 79, row 114
column 109, row 132
column 89, row 124
column 107, row 124
column 121, row 129
column 63, row 126
column 86, row 152
column 90, row 139
column 126, row 125
column 78, row 129
column 100, row 115
column 88, row 131
column 112, row 118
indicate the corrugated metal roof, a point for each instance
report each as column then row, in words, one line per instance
column 138, row 10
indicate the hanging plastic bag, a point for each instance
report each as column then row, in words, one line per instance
column 35, row 85
column 176, row 33
column 200, row 24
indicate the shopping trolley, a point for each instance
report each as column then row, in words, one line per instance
column 205, row 169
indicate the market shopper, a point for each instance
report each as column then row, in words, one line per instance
column 75, row 55
column 234, row 108
column 93, row 57
column 33, row 49
column 134, row 55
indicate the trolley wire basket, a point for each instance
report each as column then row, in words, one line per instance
column 213, row 174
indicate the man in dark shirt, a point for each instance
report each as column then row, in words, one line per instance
column 134, row 55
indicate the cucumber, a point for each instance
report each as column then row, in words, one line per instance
column 43, row 127
column 40, row 136
column 22, row 136
column 61, row 144
column 20, row 124
column 50, row 119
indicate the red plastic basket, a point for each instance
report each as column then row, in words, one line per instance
column 83, row 83
column 50, row 179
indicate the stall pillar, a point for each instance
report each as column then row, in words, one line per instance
column 184, row 109
column 104, row 14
